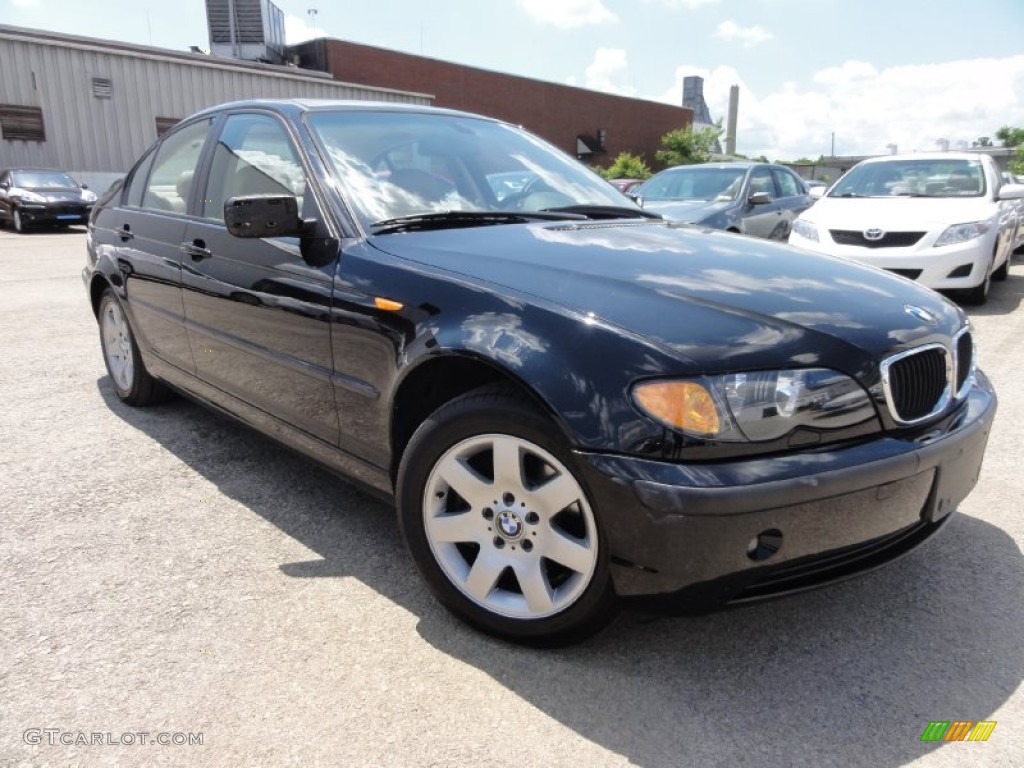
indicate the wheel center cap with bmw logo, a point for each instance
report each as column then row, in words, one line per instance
column 509, row 524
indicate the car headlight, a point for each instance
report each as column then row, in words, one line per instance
column 806, row 230
column 30, row 197
column 88, row 196
column 757, row 406
column 961, row 233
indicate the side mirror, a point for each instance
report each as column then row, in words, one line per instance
column 252, row 216
column 4, row 185
column 1011, row 192
column 759, row 198
column 85, row 186
column 816, row 193
column 635, row 198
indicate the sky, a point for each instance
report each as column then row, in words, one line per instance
column 854, row 75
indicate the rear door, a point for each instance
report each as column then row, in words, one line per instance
column 259, row 313
column 792, row 200
column 146, row 233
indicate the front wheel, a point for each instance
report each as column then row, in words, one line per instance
column 499, row 522
column 18, row 223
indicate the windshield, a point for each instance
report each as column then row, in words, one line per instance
column 694, row 183
column 42, row 180
column 395, row 164
column 913, row 178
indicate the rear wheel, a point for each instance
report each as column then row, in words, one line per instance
column 132, row 382
column 499, row 523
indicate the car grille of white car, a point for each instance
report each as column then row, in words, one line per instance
column 885, row 239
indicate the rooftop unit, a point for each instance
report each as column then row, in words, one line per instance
column 252, row 30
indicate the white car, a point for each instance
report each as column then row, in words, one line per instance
column 939, row 219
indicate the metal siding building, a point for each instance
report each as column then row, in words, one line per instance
column 97, row 132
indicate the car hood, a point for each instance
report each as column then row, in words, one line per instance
column 713, row 297
column 687, row 210
column 54, row 194
column 905, row 214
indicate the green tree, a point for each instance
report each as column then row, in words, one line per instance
column 1010, row 137
column 1017, row 164
column 686, row 146
column 983, row 141
column 626, row 166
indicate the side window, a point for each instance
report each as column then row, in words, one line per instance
column 254, row 156
column 761, row 181
column 170, row 183
column 137, row 186
column 788, row 186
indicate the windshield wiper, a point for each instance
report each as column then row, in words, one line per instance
column 454, row 219
column 604, row 211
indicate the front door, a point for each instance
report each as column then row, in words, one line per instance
column 258, row 314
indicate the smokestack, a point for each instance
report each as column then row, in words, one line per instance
column 730, row 126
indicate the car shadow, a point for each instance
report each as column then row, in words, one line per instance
column 71, row 229
column 849, row 675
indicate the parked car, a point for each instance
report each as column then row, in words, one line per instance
column 755, row 199
column 570, row 401
column 625, row 185
column 937, row 218
column 42, row 197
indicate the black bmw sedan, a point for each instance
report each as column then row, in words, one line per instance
column 571, row 402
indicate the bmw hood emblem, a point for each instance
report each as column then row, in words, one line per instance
column 922, row 314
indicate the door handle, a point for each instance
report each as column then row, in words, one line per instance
column 196, row 249
column 125, row 233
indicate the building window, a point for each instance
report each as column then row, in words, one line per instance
column 102, row 88
column 24, row 123
column 164, row 124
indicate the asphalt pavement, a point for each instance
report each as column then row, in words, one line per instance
column 168, row 572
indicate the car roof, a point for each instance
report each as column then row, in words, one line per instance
column 924, row 156
column 296, row 107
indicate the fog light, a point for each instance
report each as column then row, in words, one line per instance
column 764, row 545
column 964, row 270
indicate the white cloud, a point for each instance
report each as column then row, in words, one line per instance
column 566, row 14
column 690, row 5
column 730, row 31
column 24, row 3
column 609, row 72
column 298, row 30
column 868, row 108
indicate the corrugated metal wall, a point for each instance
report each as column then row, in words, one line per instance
column 89, row 134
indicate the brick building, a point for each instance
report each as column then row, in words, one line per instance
column 594, row 126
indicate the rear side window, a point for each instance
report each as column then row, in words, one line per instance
column 138, row 182
column 170, row 184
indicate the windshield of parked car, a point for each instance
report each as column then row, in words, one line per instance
column 42, row 180
column 913, row 178
column 394, row 164
column 693, row 183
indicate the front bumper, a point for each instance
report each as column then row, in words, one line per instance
column 690, row 533
column 924, row 263
column 55, row 213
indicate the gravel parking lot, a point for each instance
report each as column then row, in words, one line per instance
column 168, row 572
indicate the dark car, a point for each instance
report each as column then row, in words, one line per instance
column 751, row 198
column 42, row 197
column 570, row 402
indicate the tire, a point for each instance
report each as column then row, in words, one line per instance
column 1004, row 269
column 128, row 375
column 978, row 295
column 478, row 546
column 17, row 223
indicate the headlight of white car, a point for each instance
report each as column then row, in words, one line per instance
column 806, row 230
column 961, row 233
column 29, row 197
